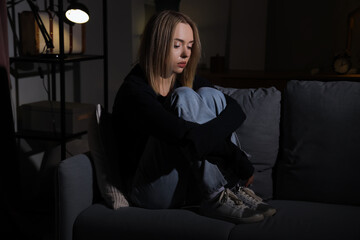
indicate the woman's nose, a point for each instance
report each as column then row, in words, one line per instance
column 185, row 52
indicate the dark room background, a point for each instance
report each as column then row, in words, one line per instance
column 276, row 35
column 259, row 35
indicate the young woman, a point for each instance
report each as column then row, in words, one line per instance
column 176, row 131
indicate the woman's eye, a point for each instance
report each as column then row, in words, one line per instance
column 176, row 46
column 189, row 47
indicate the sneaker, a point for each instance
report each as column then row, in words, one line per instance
column 253, row 201
column 226, row 206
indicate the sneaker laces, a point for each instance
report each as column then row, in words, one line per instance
column 248, row 195
column 227, row 195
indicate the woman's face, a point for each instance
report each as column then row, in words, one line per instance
column 182, row 44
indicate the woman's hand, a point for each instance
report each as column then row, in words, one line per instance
column 249, row 181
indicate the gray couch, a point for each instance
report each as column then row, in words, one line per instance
column 304, row 142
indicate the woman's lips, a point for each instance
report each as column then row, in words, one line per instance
column 182, row 64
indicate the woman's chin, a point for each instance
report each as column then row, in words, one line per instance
column 178, row 70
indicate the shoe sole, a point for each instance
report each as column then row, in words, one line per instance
column 269, row 212
column 254, row 219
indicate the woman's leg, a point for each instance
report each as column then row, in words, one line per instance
column 161, row 179
column 216, row 102
column 220, row 202
column 201, row 107
column 207, row 104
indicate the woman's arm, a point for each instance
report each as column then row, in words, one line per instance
column 139, row 111
column 146, row 113
column 206, row 137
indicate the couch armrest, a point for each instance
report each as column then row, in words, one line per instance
column 74, row 193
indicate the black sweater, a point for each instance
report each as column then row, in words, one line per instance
column 139, row 113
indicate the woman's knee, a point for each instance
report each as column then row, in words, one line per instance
column 184, row 94
column 200, row 106
column 205, row 93
column 185, row 100
column 209, row 92
column 213, row 98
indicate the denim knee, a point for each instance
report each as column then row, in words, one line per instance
column 186, row 103
column 200, row 106
column 206, row 94
column 214, row 99
column 183, row 95
column 209, row 92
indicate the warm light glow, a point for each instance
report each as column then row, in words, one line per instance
column 77, row 16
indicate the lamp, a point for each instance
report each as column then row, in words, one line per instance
column 45, row 34
column 77, row 13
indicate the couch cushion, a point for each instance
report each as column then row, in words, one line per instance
column 297, row 220
column 259, row 134
column 99, row 222
column 321, row 142
column 104, row 154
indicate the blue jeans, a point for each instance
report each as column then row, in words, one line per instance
column 165, row 174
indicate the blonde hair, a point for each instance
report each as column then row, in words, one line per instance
column 156, row 43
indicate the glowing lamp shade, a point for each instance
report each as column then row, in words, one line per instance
column 77, row 13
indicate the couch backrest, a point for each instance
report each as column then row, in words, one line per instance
column 259, row 134
column 319, row 145
column 74, row 193
column 320, row 142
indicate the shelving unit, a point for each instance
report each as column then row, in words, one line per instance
column 57, row 63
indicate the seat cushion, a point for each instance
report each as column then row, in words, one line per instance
column 293, row 220
column 259, row 134
column 321, row 142
column 303, row 220
column 100, row 222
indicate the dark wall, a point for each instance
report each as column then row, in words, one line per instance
column 300, row 34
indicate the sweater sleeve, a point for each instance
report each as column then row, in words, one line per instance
column 235, row 157
column 158, row 121
column 205, row 137
column 243, row 167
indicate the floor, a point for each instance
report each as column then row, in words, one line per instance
column 28, row 222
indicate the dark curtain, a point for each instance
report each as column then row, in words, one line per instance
column 4, row 47
column 9, row 175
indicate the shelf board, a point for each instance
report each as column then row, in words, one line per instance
column 54, row 58
column 20, row 73
column 51, row 136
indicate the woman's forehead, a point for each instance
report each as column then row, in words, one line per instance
column 183, row 32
